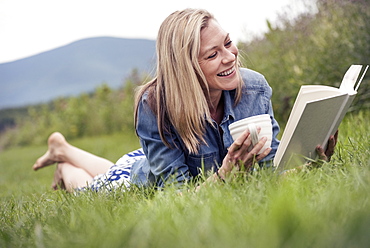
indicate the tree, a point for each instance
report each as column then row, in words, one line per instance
column 316, row 47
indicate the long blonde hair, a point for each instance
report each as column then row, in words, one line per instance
column 179, row 94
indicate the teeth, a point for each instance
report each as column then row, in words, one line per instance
column 226, row 73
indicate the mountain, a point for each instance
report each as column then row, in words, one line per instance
column 73, row 69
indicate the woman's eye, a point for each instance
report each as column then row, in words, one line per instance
column 228, row 43
column 213, row 55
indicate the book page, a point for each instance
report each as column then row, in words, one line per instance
column 350, row 78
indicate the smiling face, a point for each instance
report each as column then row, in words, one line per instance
column 218, row 58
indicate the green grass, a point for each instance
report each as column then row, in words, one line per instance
column 326, row 207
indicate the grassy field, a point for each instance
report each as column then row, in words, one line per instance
column 326, row 207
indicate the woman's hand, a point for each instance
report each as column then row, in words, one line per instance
column 326, row 155
column 240, row 155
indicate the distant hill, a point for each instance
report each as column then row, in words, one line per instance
column 73, row 69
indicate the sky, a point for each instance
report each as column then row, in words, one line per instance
column 29, row 27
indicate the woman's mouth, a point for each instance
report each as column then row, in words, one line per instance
column 226, row 73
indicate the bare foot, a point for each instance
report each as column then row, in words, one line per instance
column 56, row 144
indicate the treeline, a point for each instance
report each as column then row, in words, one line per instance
column 317, row 47
column 104, row 111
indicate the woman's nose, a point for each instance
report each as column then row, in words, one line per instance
column 229, row 56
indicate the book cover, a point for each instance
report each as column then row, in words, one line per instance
column 315, row 116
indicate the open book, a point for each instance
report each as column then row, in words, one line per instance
column 315, row 116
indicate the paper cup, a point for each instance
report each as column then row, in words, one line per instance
column 252, row 123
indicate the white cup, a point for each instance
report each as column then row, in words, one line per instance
column 252, row 123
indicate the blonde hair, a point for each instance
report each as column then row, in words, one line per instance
column 179, row 94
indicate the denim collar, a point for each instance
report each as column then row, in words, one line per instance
column 229, row 96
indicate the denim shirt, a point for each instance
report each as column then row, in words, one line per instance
column 164, row 164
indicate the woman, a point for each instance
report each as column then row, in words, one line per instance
column 181, row 116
